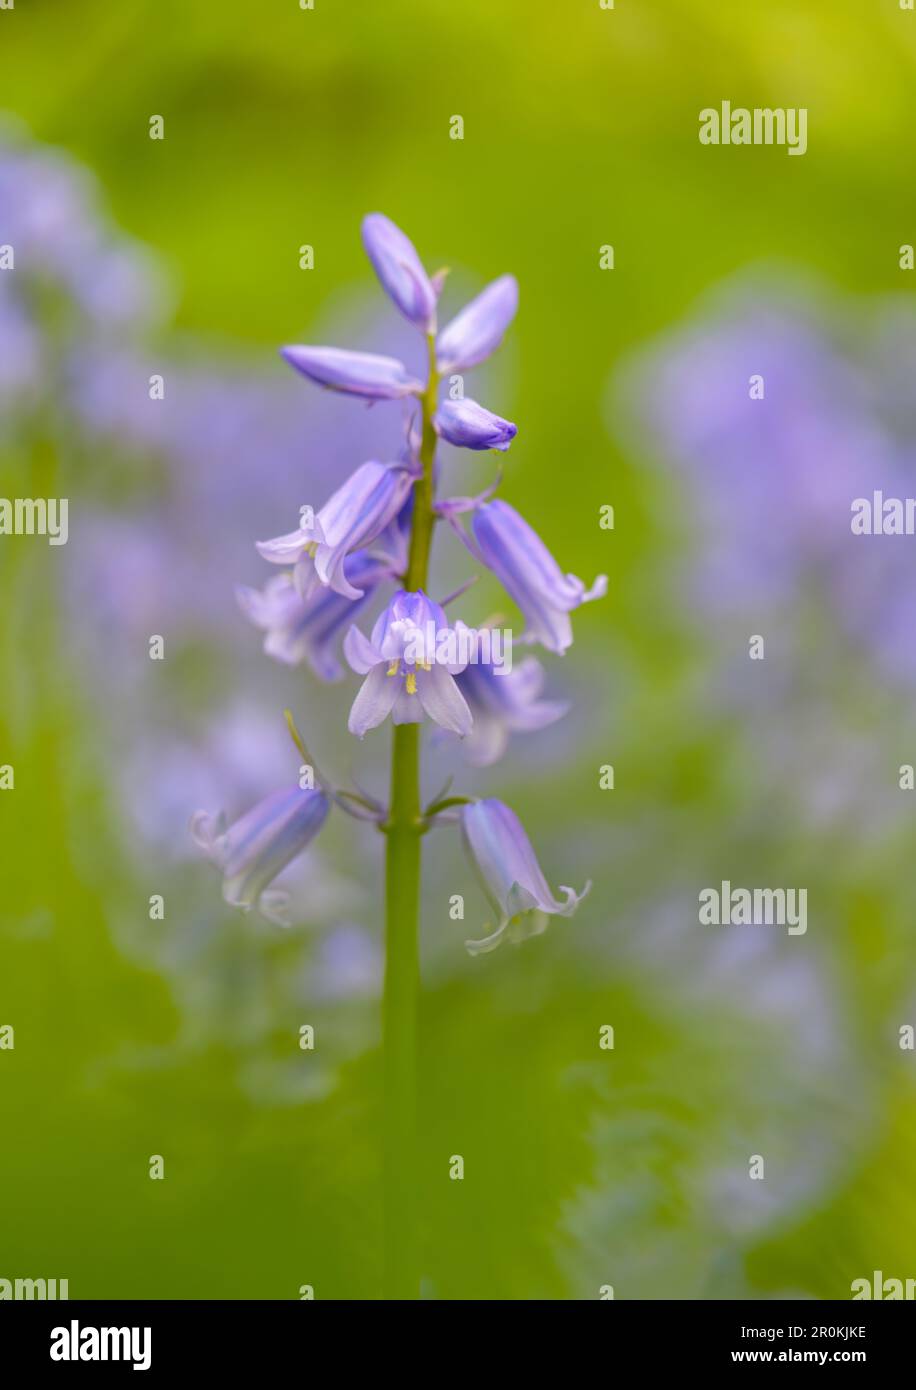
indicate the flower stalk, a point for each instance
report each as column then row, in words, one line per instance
column 400, row 1007
column 377, row 528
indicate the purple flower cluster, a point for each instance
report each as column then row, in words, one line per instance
column 772, row 474
column 415, row 665
column 64, row 268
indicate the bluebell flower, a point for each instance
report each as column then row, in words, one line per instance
column 408, row 674
column 257, row 847
column 530, row 575
column 470, row 337
column 510, row 875
column 468, row 425
column 504, row 702
column 356, row 515
column 400, row 270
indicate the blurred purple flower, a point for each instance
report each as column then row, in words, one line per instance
column 771, row 481
column 255, row 849
column 502, row 704
column 308, row 629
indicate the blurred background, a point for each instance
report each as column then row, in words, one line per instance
column 180, row 257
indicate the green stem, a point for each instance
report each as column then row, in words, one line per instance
column 402, row 914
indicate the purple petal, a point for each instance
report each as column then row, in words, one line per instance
column 511, row 875
column 362, row 656
column 407, row 708
column 478, row 329
column 468, row 425
column 400, row 270
column 355, row 373
column 441, row 699
column 374, row 701
column 405, row 613
column 503, row 705
column 261, row 843
column 308, row 629
column 284, row 550
column 355, row 516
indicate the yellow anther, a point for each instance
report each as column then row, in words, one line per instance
column 393, row 668
column 411, row 683
column 424, row 666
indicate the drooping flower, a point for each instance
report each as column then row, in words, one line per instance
column 530, row 575
column 510, row 875
column 257, row 847
column 366, row 374
column 409, row 664
column 478, row 329
column 308, row 629
column 400, row 270
column 468, row 425
column 504, row 703
column 355, row 516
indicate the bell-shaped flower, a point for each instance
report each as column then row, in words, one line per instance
column 308, row 629
column 504, row 702
column 400, row 270
column 471, row 426
column 478, row 329
column 356, row 514
column 366, row 374
column 518, row 557
column 257, row 847
column 510, row 875
column 410, row 663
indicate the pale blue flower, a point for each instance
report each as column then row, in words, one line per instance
column 257, row 847
column 503, row 703
column 406, row 675
column 356, row 515
column 510, row 875
column 308, row 629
